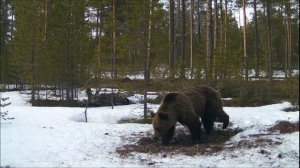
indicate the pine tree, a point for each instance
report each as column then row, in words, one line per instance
column 4, row 38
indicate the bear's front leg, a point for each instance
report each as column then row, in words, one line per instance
column 168, row 136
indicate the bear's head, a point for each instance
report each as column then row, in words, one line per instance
column 164, row 120
column 163, row 125
column 224, row 118
column 225, row 121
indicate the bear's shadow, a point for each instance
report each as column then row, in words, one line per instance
column 181, row 143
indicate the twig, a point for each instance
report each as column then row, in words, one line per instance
column 4, row 98
column 85, row 112
column 4, row 105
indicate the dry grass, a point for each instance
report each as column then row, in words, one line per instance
column 285, row 127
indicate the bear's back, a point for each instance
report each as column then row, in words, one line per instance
column 201, row 97
column 197, row 98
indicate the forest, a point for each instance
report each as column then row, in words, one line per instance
column 63, row 63
column 237, row 46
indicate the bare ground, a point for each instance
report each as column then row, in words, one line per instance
column 285, row 127
column 212, row 143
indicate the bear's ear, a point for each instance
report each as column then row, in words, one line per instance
column 152, row 114
column 170, row 97
column 163, row 116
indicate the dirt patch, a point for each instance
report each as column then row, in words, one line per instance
column 136, row 120
column 217, row 141
column 293, row 108
column 254, row 142
column 57, row 103
column 181, row 143
column 285, row 127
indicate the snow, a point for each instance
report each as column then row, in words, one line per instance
column 58, row 137
column 137, row 98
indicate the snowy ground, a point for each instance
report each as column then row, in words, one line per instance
column 58, row 137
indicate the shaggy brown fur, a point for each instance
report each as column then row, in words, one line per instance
column 186, row 106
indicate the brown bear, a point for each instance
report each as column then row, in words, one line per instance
column 186, row 106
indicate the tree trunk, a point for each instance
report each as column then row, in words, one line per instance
column 245, row 41
column 33, row 52
column 286, row 39
column 46, row 19
column 269, row 30
column 289, row 38
column 225, row 42
column 191, row 38
column 45, row 39
column 221, row 38
column 209, row 40
column 199, row 20
column 215, row 40
column 3, row 33
column 171, row 38
column 113, row 59
column 147, row 61
column 182, row 74
column 177, row 48
column 98, row 37
column 256, row 41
